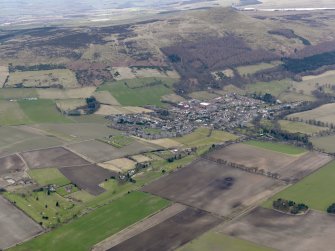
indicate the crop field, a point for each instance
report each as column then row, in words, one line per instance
column 251, row 69
column 171, row 233
column 75, row 93
column 42, row 111
column 312, row 231
column 83, row 233
column 215, row 188
column 217, row 241
column 88, row 177
column 12, row 114
column 122, row 73
column 289, row 167
column 52, row 157
column 140, row 158
column 65, row 105
column 203, row 137
column 323, row 113
column 3, row 75
column 17, row 93
column 316, row 191
column 139, row 92
column 119, row 165
column 105, row 97
column 15, row 226
column 48, row 78
column 299, row 127
column 11, row 164
column 101, row 152
column 325, row 143
column 48, row 176
column 166, row 143
column 277, row 147
column 114, row 110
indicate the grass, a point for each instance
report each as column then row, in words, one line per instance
column 67, row 189
column 119, row 141
column 203, row 137
column 83, row 233
column 17, row 93
column 34, row 204
column 299, row 127
column 325, row 143
column 12, row 114
column 139, row 92
column 251, row 69
column 42, row 111
column 203, row 95
column 276, row 88
column 277, row 147
column 317, row 190
column 48, row 176
column 217, row 241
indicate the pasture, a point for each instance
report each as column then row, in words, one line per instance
column 75, row 93
column 312, row 231
column 204, row 137
column 119, row 165
column 122, row 73
column 47, row 78
column 48, row 176
column 66, row 105
column 15, row 226
column 84, row 232
column 324, row 113
column 215, row 188
column 12, row 114
column 139, row 92
column 18, row 93
column 289, row 167
column 105, row 97
column 277, row 147
column 52, row 157
column 299, row 127
column 203, row 95
column 114, row 110
column 316, row 191
column 217, row 241
column 171, row 233
column 252, row 69
column 325, row 143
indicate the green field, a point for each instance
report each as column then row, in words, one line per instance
column 251, row 69
column 12, row 114
column 42, row 111
column 82, row 233
column 139, row 92
column 216, row 241
column 17, row 93
column 277, row 147
column 276, row 88
column 317, row 190
column 299, row 127
column 48, row 176
column 203, row 137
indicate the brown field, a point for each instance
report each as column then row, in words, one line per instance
column 11, row 164
column 87, row 177
column 15, row 226
column 52, row 157
column 171, row 233
column 104, row 97
column 218, row 189
column 313, row 231
column 289, row 167
column 119, row 165
column 140, row 158
column 139, row 227
column 100, row 152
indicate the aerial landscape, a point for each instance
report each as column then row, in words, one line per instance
column 185, row 125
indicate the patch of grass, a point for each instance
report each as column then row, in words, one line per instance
column 82, row 196
column 217, row 241
column 299, row 127
column 203, row 137
column 42, row 111
column 203, row 95
column 83, row 233
column 325, row 143
column 139, row 92
column 67, row 189
column 17, row 93
column 251, row 69
column 12, row 114
column 119, row 141
column 277, row 147
column 276, row 88
column 48, row 176
column 317, row 190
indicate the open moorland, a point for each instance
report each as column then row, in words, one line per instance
column 215, row 188
column 279, row 231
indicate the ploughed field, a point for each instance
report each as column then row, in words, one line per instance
column 289, row 167
column 215, row 188
column 312, row 231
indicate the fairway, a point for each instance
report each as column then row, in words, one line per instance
column 139, row 92
column 217, row 241
column 277, row 147
column 48, row 176
column 42, row 111
column 317, row 190
column 83, row 233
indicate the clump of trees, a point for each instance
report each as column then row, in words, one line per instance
column 331, row 209
column 289, row 206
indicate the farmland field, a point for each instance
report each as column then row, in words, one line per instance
column 10, row 164
column 277, row 147
column 312, row 231
column 217, row 241
column 12, row 114
column 119, row 165
column 133, row 72
column 17, row 93
column 139, row 92
column 76, row 93
column 48, row 176
column 215, row 188
column 316, row 191
column 299, row 127
column 251, row 69
column 323, row 113
column 325, row 143
column 47, row 78
column 83, row 233
column 15, row 226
